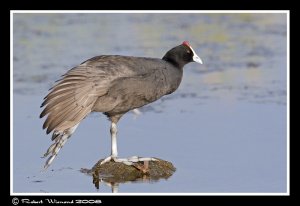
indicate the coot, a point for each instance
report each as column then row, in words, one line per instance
column 114, row 85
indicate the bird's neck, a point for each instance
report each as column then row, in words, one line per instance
column 173, row 77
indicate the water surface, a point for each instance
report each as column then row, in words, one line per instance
column 224, row 129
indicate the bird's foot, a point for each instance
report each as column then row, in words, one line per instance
column 128, row 161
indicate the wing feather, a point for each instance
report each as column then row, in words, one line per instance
column 72, row 98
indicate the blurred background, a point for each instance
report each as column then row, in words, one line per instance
column 224, row 129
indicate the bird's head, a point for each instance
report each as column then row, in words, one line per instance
column 182, row 55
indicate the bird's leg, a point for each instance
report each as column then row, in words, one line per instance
column 114, row 150
column 113, row 132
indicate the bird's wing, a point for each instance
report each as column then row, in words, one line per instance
column 141, row 89
column 73, row 97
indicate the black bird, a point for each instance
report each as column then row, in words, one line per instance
column 114, row 85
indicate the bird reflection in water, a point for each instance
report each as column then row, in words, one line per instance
column 97, row 180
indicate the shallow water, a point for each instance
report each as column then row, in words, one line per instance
column 224, row 129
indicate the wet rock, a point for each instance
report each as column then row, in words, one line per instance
column 115, row 172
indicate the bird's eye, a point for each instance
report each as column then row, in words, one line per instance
column 188, row 51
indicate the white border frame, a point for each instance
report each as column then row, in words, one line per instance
column 150, row 11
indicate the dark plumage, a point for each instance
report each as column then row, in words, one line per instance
column 113, row 85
